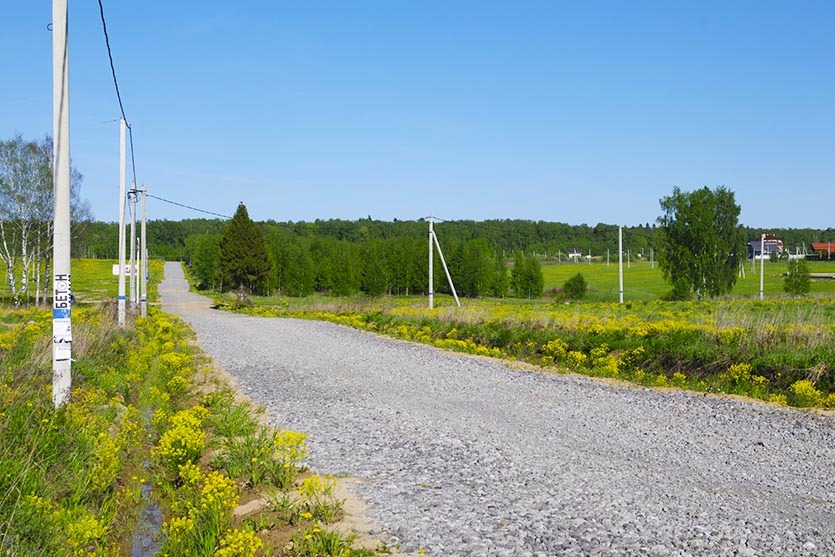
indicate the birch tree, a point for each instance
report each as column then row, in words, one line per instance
column 702, row 242
column 26, row 209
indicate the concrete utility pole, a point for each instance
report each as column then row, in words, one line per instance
column 431, row 281
column 446, row 270
column 143, row 300
column 762, row 264
column 122, row 178
column 620, row 263
column 61, row 282
column 433, row 243
column 132, row 265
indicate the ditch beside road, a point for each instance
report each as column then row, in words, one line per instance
column 461, row 455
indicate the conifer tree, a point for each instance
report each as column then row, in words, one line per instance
column 244, row 259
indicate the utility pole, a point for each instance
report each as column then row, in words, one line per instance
column 620, row 263
column 762, row 265
column 143, row 301
column 448, row 277
column 122, row 172
column 61, row 283
column 431, row 278
column 132, row 266
column 433, row 243
column 652, row 258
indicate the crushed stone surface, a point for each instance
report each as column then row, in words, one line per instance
column 466, row 456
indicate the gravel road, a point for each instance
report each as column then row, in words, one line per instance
column 465, row 456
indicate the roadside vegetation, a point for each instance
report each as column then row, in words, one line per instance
column 779, row 350
column 155, row 452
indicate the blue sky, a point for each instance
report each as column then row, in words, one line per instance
column 581, row 112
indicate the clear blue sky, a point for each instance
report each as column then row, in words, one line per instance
column 560, row 111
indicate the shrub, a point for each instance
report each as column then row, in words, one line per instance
column 797, row 281
column 575, row 288
column 238, row 543
column 318, row 500
column 805, row 394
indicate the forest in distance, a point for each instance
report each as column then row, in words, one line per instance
column 369, row 256
column 175, row 240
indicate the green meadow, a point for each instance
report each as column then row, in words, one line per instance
column 93, row 281
column 642, row 282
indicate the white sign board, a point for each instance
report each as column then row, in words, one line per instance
column 127, row 270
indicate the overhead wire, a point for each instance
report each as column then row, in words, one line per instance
column 188, row 206
column 130, row 128
column 118, row 93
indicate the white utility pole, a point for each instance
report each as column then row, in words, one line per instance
column 122, row 178
column 132, row 265
column 431, row 278
column 620, row 263
column 651, row 258
column 448, row 278
column 433, row 243
column 762, row 264
column 143, row 300
column 61, row 283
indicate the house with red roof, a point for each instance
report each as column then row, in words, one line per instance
column 826, row 250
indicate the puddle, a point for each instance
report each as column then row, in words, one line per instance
column 146, row 536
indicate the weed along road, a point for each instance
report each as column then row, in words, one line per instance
column 458, row 455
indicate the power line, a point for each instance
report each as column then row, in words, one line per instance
column 118, row 93
column 188, row 206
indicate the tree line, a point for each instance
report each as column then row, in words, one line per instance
column 489, row 258
column 169, row 240
column 269, row 258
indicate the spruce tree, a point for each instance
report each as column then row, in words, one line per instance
column 244, row 259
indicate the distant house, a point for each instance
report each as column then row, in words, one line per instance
column 575, row 253
column 826, row 250
column 769, row 246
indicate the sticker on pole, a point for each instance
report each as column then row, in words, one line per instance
column 61, row 339
column 61, row 323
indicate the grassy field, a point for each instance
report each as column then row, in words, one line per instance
column 781, row 349
column 642, row 282
column 93, row 281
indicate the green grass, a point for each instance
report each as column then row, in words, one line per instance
column 93, row 281
column 643, row 283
